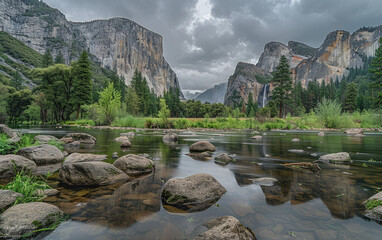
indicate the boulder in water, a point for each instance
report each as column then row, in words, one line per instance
column 202, row 146
column 82, row 138
column 44, row 154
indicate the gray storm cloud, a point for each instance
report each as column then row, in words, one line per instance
column 204, row 39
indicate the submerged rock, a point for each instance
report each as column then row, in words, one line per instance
column 28, row 217
column 43, row 139
column 134, row 165
column 224, row 228
column 257, row 137
column 121, row 139
column 265, row 181
column 354, row 131
column 84, row 157
column 321, row 134
column 8, row 198
column 374, row 207
column 224, row 158
column 13, row 136
column 170, row 137
column 340, row 157
column 82, row 138
column 90, row 174
column 11, row 163
column 296, row 150
column 194, row 193
column 202, row 146
column 126, row 144
column 42, row 154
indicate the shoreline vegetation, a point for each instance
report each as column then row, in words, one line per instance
column 367, row 120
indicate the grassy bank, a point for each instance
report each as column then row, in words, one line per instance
column 312, row 120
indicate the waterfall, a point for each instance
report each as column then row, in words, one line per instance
column 263, row 98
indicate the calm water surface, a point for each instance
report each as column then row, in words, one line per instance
column 304, row 205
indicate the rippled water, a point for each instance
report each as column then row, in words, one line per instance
column 304, row 205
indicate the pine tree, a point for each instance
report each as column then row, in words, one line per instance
column 350, row 97
column 59, row 59
column 250, row 105
column 82, row 83
column 376, row 71
column 282, row 85
column 47, row 59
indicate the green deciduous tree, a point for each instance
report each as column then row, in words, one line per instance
column 47, row 59
column 282, row 85
column 18, row 101
column 164, row 113
column 109, row 102
column 59, row 59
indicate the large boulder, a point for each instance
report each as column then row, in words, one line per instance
column 354, row 131
column 44, row 154
column 225, row 228
column 202, row 146
column 27, row 218
column 374, row 207
column 170, row 137
column 81, row 137
column 9, row 164
column 90, row 174
column 84, row 157
column 43, row 139
column 193, row 193
column 340, row 157
column 7, row 198
column 134, row 165
column 13, row 136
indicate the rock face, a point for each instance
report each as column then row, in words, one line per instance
column 9, row 162
column 81, row 137
column 7, row 198
column 134, row 165
column 116, row 43
column 202, row 146
column 44, row 139
column 214, row 94
column 200, row 190
column 336, row 157
column 42, row 154
column 28, row 217
column 226, row 227
column 245, row 80
column 14, row 137
column 273, row 51
column 90, row 174
column 374, row 212
column 81, row 157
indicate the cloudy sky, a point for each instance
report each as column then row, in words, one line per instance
column 204, row 39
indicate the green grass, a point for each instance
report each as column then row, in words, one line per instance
column 5, row 146
column 373, row 204
column 81, row 122
column 27, row 185
column 27, row 140
column 57, row 144
column 129, row 121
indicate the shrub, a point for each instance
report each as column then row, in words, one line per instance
column 329, row 113
column 57, row 144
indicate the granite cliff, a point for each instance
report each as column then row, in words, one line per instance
column 214, row 94
column 337, row 54
column 118, row 44
column 246, row 78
